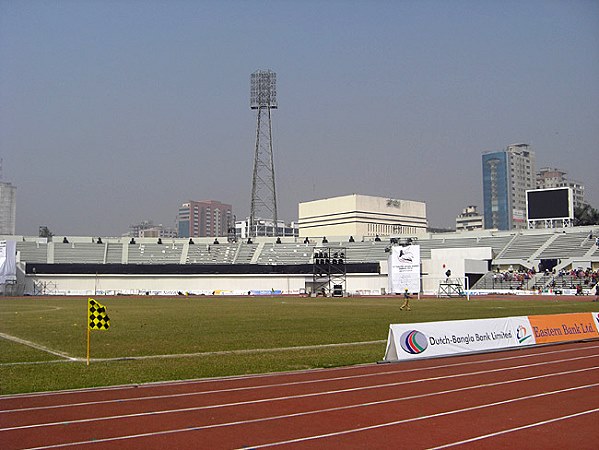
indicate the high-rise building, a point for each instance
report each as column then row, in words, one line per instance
column 8, row 208
column 550, row 177
column 507, row 175
column 207, row 218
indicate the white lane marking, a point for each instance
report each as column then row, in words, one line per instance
column 32, row 311
column 413, row 419
column 43, row 348
column 264, row 400
column 511, row 430
column 294, row 383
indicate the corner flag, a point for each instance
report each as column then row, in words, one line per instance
column 98, row 319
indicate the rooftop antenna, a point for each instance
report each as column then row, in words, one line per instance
column 263, row 98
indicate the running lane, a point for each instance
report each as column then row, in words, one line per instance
column 477, row 400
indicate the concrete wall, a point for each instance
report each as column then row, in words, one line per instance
column 366, row 284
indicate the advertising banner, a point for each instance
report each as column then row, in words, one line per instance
column 564, row 327
column 404, row 269
column 430, row 339
column 425, row 340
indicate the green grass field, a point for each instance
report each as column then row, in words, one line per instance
column 156, row 339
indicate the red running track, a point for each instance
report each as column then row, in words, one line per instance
column 545, row 397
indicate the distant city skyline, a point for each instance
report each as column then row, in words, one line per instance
column 114, row 113
column 176, row 222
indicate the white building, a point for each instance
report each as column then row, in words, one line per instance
column 8, row 208
column 265, row 228
column 469, row 220
column 362, row 215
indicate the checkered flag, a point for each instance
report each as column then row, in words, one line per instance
column 98, row 319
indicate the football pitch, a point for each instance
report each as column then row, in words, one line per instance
column 43, row 340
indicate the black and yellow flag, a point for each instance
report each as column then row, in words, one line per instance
column 98, row 319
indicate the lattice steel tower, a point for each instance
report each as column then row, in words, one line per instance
column 263, row 98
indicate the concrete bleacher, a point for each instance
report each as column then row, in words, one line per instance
column 245, row 253
column 211, row 253
column 154, row 253
column 367, row 251
column 497, row 243
column 34, row 252
column 80, row 252
column 426, row 245
column 114, row 252
column 568, row 245
column 288, row 253
column 524, row 246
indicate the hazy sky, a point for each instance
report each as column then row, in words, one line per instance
column 113, row 112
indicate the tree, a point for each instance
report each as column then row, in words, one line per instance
column 45, row 232
column 586, row 215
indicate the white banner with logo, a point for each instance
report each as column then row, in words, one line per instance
column 8, row 265
column 425, row 340
column 404, row 269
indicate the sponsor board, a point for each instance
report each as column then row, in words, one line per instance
column 418, row 340
column 431, row 339
column 564, row 327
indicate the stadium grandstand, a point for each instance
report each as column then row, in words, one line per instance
column 484, row 261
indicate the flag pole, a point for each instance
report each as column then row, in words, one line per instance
column 87, row 326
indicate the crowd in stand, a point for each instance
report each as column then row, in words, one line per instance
column 587, row 276
column 518, row 279
column 521, row 275
column 578, row 279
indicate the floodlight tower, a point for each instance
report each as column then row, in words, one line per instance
column 263, row 98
